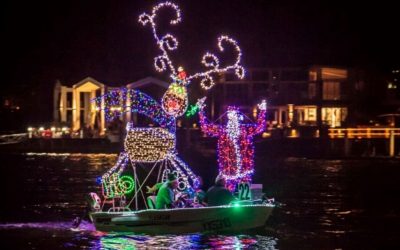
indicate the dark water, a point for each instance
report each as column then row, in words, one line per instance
column 326, row 204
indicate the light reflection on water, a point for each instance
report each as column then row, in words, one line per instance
column 325, row 204
column 192, row 241
column 87, row 237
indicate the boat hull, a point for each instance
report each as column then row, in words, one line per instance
column 184, row 220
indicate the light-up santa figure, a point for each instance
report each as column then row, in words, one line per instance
column 235, row 143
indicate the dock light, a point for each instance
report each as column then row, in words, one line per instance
column 64, row 129
column 41, row 128
column 293, row 133
column 30, row 129
column 53, row 129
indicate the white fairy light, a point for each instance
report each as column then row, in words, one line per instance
column 149, row 144
column 211, row 61
column 168, row 43
column 188, row 171
column 119, row 167
column 233, row 132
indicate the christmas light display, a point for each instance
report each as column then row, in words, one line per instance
column 119, row 166
column 187, row 172
column 115, row 186
column 235, row 143
column 119, row 101
column 192, row 110
column 149, row 144
column 127, row 184
column 157, row 144
column 211, row 61
column 175, row 99
column 181, row 178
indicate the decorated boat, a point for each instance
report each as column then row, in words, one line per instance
column 125, row 206
column 229, row 218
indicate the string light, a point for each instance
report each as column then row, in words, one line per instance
column 119, row 101
column 178, row 164
column 144, row 144
column 211, row 61
column 158, row 144
column 191, row 111
column 173, row 103
column 116, row 186
column 126, row 184
column 112, row 184
column 175, row 100
column 119, row 166
column 149, row 144
column 235, row 143
column 167, row 42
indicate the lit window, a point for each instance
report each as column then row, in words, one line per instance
column 332, row 73
column 310, row 114
column 334, row 116
column 331, row 90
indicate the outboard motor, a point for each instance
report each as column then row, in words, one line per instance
column 94, row 202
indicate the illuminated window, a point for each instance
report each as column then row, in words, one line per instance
column 332, row 73
column 310, row 114
column 312, row 75
column 306, row 114
column 331, row 90
column 334, row 116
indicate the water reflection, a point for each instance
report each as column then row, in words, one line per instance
column 191, row 241
column 327, row 204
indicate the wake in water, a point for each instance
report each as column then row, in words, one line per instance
column 57, row 225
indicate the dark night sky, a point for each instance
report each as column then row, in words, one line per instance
column 70, row 39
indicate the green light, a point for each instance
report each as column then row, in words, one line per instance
column 235, row 204
column 192, row 110
column 115, row 185
column 126, row 184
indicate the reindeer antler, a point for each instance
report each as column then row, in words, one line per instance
column 168, row 43
column 165, row 43
column 211, row 61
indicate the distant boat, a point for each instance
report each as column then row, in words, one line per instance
column 13, row 138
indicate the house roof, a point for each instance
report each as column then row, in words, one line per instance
column 86, row 80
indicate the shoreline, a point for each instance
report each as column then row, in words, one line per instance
column 310, row 148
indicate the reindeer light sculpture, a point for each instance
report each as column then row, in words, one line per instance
column 175, row 100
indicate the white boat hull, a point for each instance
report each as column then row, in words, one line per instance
column 184, row 220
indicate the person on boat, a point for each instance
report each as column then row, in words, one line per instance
column 154, row 189
column 199, row 194
column 218, row 195
column 165, row 195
